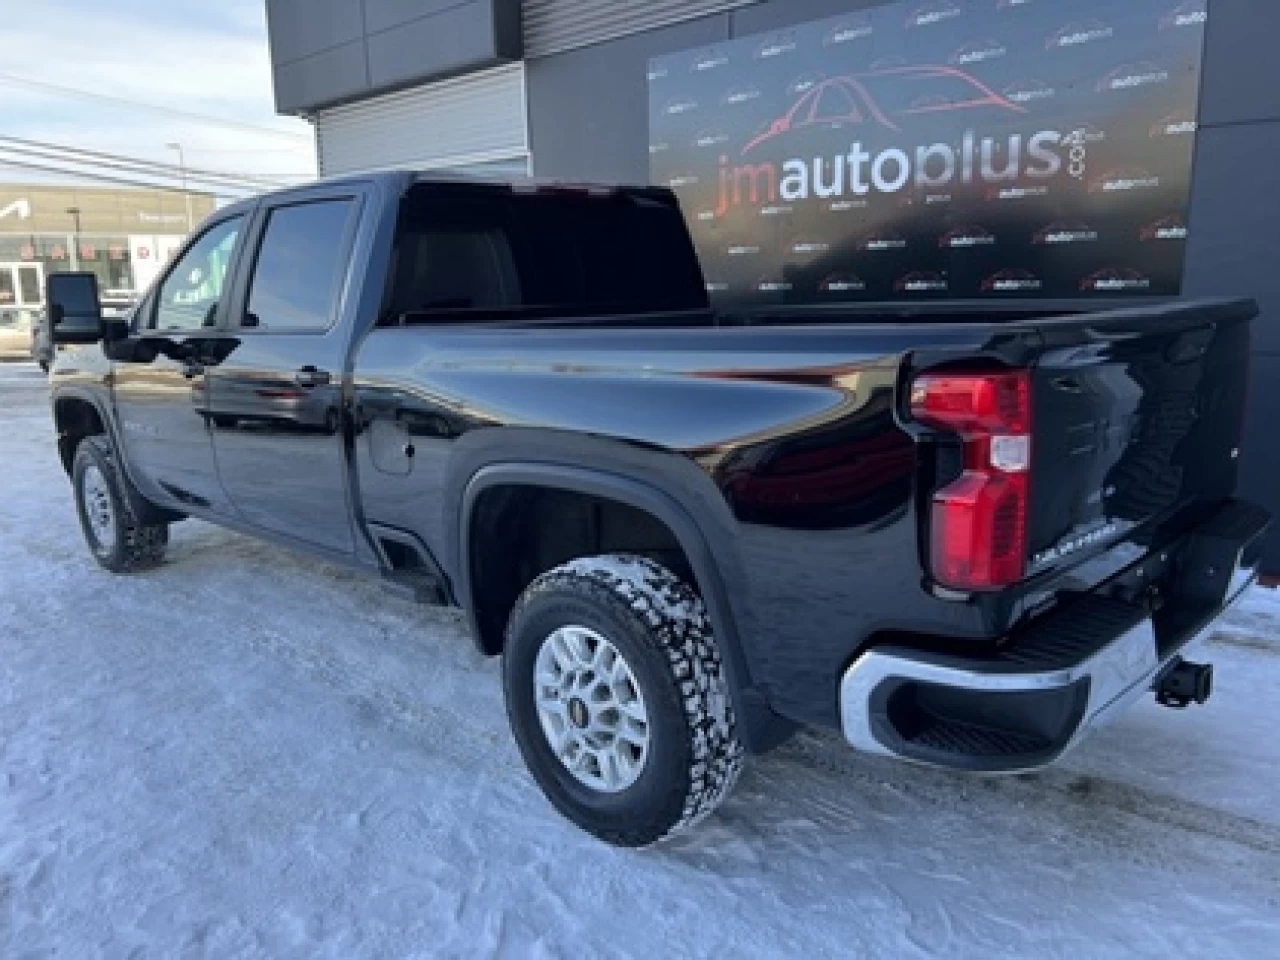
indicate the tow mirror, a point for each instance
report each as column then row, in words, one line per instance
column 75, row 312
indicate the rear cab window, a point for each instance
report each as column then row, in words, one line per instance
column 489, row 253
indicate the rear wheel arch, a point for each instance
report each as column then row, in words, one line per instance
column 607, row 488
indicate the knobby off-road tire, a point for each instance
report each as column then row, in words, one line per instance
column 117, row 540
column 643, row 615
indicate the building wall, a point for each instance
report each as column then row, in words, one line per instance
column 325, row 52
column 587, row 111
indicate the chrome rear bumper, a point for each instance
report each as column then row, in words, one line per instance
column 1074, row 670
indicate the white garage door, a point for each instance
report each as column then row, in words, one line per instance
column 553, row 26
column 476, row 121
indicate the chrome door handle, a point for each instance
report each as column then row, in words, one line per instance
column 311, row 377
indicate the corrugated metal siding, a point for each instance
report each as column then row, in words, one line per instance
column 552, row 26
column 473, row 119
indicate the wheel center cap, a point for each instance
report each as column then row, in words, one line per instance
column 578, row 713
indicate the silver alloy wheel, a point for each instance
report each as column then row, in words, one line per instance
column 591, row 708
column 97, row 506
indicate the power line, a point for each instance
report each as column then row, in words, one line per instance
column 229, row 192
column 64, row 154
column 144, row 105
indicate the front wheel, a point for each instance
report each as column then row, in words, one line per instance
column 115, row 537
column 618, row 700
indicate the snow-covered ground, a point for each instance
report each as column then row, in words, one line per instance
column 250, row 754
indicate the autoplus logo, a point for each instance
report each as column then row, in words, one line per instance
column 683, row 180
column 808, row 247
column 1124, row 180
column 658, row 71
column 969, row 235
column 742, row 93
column 1028, row 91
column 841, row 282
column 710, row 137
column 1078, row 33
column 1011, row 280
column 1192, row 14
column 859, row 172
column 1179, row 124
column 920, row 281
column 1133, row 75
column 804, row 83
column 881, row 240
column 932, row 14
column 772, row 284
column 678, row 105
column 1064, row 231
column 1166, row 228
column 743, row 250
column 977, row 51
column 849, row 30
column 778, row 45
column 709, row 59
column 1115, row 280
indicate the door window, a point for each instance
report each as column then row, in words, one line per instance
column 191, row 292
column 300, row 267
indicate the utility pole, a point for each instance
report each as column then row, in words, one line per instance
column 182, row 171
column 75, row 244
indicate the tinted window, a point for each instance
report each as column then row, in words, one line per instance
column 191, row 292
column 299, row 268
column 496, row 252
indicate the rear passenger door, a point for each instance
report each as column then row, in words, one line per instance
column 275, row 400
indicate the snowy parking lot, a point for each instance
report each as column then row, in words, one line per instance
column 247, row 753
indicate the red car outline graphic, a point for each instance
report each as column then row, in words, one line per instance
column 1172, row 222
column 863, row 105
column 1041, row 236
column 1011, row 274
column 980, row 235
column 1126, row 275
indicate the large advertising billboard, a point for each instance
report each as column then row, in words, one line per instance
column 945, row 149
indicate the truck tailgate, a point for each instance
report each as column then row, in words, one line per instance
column 1138, row 416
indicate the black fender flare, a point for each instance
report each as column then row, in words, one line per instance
column 141, row 506
column 762, row 728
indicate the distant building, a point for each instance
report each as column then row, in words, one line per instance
column 123, row 235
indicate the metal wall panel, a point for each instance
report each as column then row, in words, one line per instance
column 472, row 119
column 552, row 26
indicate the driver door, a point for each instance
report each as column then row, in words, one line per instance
column 160, row 388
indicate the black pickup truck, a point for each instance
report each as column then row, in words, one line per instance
column 964, row 535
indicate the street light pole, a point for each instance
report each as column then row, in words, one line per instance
column 75, row 242
column 182, row 171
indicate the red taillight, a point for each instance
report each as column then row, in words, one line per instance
column 979, row 522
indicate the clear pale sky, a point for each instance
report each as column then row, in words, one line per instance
column 208, row 57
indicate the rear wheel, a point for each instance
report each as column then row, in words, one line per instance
column 118, row 541
column 618, row 700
